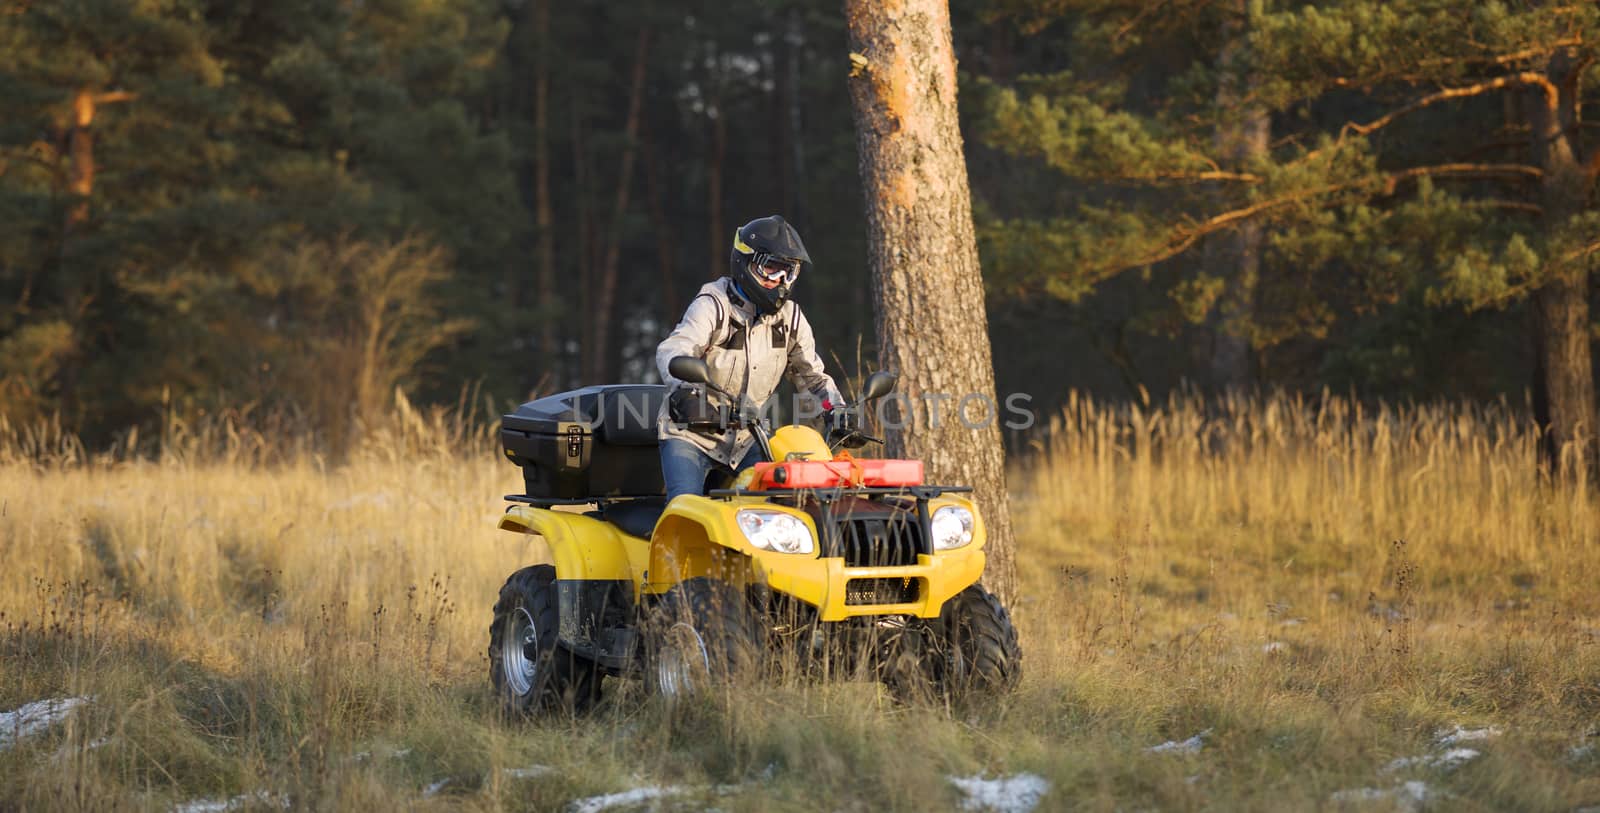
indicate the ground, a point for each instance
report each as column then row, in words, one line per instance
column 1255, row 605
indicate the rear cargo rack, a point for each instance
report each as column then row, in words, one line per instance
column 546, row 502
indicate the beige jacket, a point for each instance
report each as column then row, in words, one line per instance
column 748, row 353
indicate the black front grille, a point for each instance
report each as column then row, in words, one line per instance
column 858, row 592
column 891, row 540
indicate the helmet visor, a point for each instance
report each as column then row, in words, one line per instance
column 773, row 268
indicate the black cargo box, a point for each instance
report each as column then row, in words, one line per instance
column 593, row 442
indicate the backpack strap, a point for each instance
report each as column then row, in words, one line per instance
column 722, row 317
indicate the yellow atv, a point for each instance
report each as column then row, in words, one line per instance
column 814, row 559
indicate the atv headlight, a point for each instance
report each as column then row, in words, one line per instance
column 952, row 527
column 776, row 531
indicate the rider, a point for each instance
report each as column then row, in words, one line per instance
column 750, row 334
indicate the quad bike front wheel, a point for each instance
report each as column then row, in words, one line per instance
column 702, row 632
column 970, row 651
column 529, row 672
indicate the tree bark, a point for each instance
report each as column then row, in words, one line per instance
column 1234, row 256
column 1561, row 304
column 81, row 147
column 927, row 286
column 666, row 248
column 716, row 155
column 794, row 40
column 580, row 173
column 606, row 294
column 543, row 217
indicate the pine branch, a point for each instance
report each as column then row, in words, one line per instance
column 1189, row 177
column 1506, row 59
column 1464, row 170
column 1579, row 253
column 1185, row 238
column 1509, row 205
column 1524, row 79
column 1184, row 241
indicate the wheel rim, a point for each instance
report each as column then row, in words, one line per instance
column 681, row 661
column 519, row 648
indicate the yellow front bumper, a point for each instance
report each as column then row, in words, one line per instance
column 823, row 583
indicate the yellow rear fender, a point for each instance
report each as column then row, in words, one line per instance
column 584, row 548
column 699, row 536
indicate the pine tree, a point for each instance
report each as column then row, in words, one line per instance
column 1427, row 151
column 927, row 286
column 162, row 160
column 104, row 108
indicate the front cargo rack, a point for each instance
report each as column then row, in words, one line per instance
column 835, row 493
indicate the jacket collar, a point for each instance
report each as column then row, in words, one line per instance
column 745, row 308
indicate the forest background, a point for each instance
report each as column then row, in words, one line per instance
column 241, row 572
column 293, row 208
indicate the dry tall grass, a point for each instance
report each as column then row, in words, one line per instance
column 1319, row 588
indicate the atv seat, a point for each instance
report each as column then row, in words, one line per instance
column 633, row 517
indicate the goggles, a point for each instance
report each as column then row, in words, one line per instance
column 773, row 268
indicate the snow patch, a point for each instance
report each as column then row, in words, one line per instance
column 1407, row 797
column 1460, row 735
column 1014, row 794
column 433, row 790
column 1447, row 761
column 1579, row 752
column 1188, row 746
column 237, row 802
column 595, row 804
column 1273, row 647
column 35, row 717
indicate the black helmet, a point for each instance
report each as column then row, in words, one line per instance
column 767, row 249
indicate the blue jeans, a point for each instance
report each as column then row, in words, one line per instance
column 685, row 468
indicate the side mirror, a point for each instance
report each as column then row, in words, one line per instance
column 878, row 384
column 690, row 369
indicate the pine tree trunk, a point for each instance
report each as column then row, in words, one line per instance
column 716, row 156
column 585, row 281
column 543, row 216
column 606, row 295
column 1561, row 305
column 1234, row 256
column 666, row 249
column 927, row 286
column 81, row 144
column 795, row 42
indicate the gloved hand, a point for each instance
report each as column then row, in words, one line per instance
column 689, row 406
column 842, row 421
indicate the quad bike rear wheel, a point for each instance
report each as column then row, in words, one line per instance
column 702, row 632
column 529, row 671
column 970, row 651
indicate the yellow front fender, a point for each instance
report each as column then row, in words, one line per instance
column 700, row 536
column 584, row 548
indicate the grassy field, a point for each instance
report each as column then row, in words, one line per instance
column 1321, row 606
